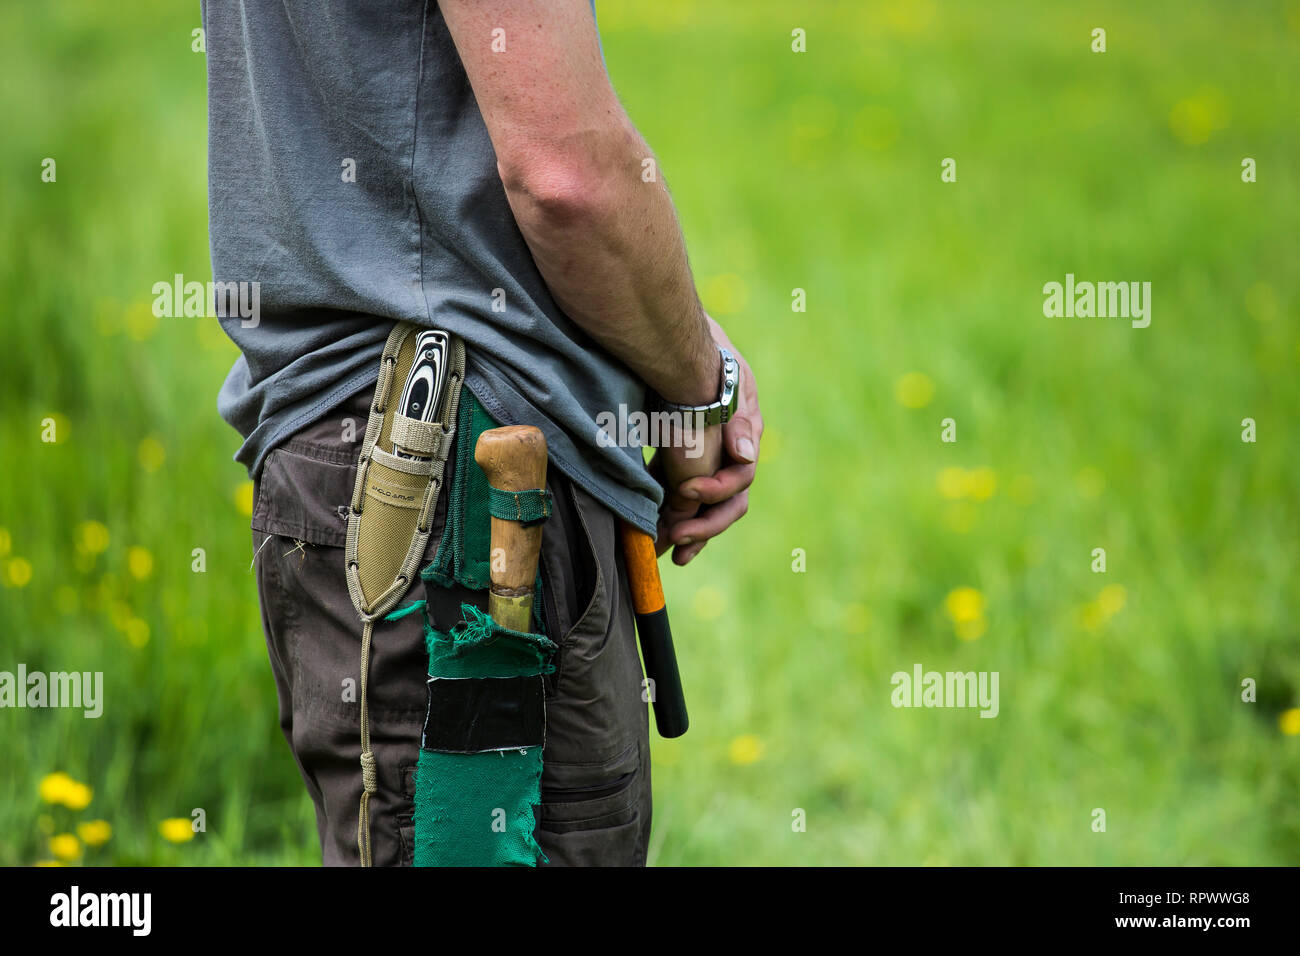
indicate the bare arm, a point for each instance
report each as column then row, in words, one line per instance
column 606, row 238
column 606, row 241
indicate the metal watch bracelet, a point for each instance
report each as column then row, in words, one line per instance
column 719, row 412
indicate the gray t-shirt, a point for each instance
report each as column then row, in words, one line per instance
column 350, row 174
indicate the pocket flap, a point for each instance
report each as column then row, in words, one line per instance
column 304, row 498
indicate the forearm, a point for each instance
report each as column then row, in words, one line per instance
column 606, row 241
column 609, row 246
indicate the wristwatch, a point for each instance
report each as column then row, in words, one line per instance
column 719, row 412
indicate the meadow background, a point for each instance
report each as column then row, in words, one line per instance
column 818, row 171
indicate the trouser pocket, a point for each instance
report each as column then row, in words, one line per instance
column 596, row 815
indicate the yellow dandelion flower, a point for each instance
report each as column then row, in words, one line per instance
column 18, row 572
column 139, row 562
column 137, row 632
column 982, row 484
column 709, row 603
column 1289, row 722
column 964, row 604
column 1091, row 616
column 151, row 453
column 909, row 16
column 1112, row 599
column 914, row 390
column 1196, row 118
column 725, row 294
column 244, row 498
column 140, row 320
column 65, row 846
column 745, row 749
column 119, row 612
column 54, row 786
column 855, row 618
column 971, row 630
column 176, row 830
column 1261, row 302
column 55, row 429
column 94, row 832
column 92, row 537
column 952, row 482
column 78, row 796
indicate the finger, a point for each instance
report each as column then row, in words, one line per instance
column 711, row 522
column 718, row 487
column 662, row 543
column 670, row 518
column 684, row 556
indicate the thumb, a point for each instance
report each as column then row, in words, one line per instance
column 739, row 436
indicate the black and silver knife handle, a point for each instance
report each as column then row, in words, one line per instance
column 425, row 382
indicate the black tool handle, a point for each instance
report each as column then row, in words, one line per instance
column 661, row 667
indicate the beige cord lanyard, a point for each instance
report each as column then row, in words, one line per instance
column 399, row 475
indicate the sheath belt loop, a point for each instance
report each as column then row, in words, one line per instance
column 419, row 437
column 401, row 494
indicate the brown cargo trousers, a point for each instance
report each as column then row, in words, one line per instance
column 595, row 788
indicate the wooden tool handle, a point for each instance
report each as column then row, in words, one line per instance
column 514, row 459
column 642, row 569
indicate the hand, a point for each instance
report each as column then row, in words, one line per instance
column 698, row 508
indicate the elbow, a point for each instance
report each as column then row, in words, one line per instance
column 579, row 179
column 555, row 192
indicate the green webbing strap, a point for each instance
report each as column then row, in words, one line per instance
column 527, row 507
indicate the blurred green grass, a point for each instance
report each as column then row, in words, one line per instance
column 817, row 171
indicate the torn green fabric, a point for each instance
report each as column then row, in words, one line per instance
column 476, row 809
column 479, row 647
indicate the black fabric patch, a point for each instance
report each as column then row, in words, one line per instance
column 471, row 715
